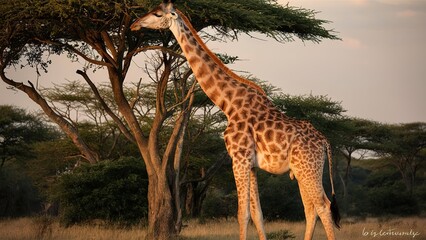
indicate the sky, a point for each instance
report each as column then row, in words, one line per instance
column 377, row 71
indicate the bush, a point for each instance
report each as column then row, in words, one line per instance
column 18, row 195
column 393, row 200
column 112, row 191
column 218, row 204
column 280, row 198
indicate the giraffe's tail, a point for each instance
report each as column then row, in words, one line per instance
column 333, row 207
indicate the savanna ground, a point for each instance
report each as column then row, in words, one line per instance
column 46, row 228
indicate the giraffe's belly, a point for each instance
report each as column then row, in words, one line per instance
column 272, row 163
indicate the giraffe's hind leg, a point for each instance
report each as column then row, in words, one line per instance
column 316, row 204
column 322, row 207
column 310, row 213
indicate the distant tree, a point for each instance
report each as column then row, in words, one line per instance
column 405, row 147
column 18, row 130
column 98, row 32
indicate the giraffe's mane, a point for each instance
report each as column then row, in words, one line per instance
column 216, row 59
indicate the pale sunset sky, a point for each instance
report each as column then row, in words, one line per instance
column 377, row 71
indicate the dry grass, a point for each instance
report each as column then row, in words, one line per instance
column 48, row 229
column 41, row 229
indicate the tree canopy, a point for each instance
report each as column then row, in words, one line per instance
column 32, row 27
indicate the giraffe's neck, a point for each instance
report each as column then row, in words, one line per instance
column 218, row 82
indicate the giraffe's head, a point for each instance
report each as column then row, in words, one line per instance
column 159, row 18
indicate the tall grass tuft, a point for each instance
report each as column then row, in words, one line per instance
column 43, row 226
column 280, row 235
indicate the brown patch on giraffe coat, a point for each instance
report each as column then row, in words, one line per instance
column 236, row 117
column 243, row 142
column 260, row 127
column 279, row 136
column 241, row 92
column 214, row 95
column 188, row 48
column 230, row 111
column 212, row 66
column 206, row 58
column 202, row 71
column 241, row 126
column 192, row 41
column 223, row 105
column 193, row 60
column 198, row 50
column 229, row 94
column 208, row 84
column 274, row 148
column 236, row 137
column 238, row 103
column 269, row 123
column 269, row 135
column 222, row 85
column 244, row 114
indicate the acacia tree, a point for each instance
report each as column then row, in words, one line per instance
column 404, row 145
column 18, row 130
column 97, row 32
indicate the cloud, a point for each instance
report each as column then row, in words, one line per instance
column 395, row 2
column 353, row 43
column 359, row 2
column 406, row 13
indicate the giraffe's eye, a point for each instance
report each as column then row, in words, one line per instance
column 157, row 14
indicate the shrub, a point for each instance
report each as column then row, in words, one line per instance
column 281, row 235
column 218, row 204
column 394, row 200
column 18, row 195
column 112, row 191
column 280, row 198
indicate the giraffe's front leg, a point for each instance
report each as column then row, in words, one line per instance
column 242, row 181
column 241, row 148
column 255, row 208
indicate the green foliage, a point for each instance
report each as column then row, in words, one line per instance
column 18, row 130
column 376, row 189
column 18, row 196
column 265, row 16
column 392, row 200
column 31, row 28
column 280, row 197
column 113, row 191
column 219, row 205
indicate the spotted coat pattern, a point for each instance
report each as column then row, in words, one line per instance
column 258, row 135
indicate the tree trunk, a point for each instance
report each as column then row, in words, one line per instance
column 161, row 223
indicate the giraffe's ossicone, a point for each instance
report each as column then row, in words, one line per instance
column 258, row 135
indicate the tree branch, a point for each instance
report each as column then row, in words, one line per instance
column 90, row 155
column 161, row 48
column 72, row 49
column 114, row 117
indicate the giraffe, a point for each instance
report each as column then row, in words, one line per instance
column 258, row 135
